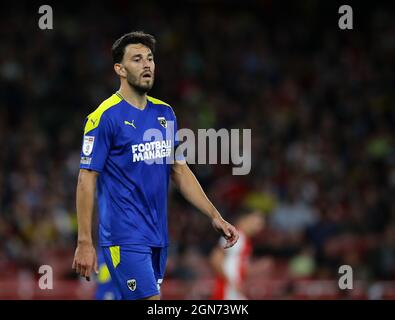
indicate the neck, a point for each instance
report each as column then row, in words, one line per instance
column 132, row 96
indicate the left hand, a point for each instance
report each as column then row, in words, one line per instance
column 228, row 231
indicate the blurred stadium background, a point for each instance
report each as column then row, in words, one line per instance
column 319, row 101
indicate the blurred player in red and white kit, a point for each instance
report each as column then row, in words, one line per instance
column 231, row 265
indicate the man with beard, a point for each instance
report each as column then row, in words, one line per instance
column 131, row 173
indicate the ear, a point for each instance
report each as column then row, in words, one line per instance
column 120, row 70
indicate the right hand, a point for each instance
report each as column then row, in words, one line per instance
column 227, row 230
column 85, row 260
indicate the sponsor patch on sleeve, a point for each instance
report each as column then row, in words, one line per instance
column 86, row 160
column 87, row 147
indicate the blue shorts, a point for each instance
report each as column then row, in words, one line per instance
column 105, row 287
column 136, row 270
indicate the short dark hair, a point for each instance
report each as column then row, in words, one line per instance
column 118, row 48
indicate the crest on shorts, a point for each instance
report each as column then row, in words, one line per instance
column 132, row 284
column 162, row 122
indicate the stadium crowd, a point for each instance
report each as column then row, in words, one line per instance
column 318, row 100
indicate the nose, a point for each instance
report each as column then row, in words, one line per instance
column 146, row 64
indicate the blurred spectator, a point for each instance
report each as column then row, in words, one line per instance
column 231, row 265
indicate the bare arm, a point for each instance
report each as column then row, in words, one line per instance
column 190, row 188
column 86, row 188
column 85, row 260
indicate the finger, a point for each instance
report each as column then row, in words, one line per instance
column 82, row 271
column 230, row 244
column 88, row 271
column 96, row 267
column 226, row 231
column 77, row 268
column 73, row 265
column 235, row 234
column 233, row 242
column 230, row 233
column 237, row 237
column 233, row 239
column 87, row 276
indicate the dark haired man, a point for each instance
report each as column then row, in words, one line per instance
column 132, row 191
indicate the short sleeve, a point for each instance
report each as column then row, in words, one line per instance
column 96, row 143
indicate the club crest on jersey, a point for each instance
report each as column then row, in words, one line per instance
column 162, row 122
column 87, row 147
column 132, row 284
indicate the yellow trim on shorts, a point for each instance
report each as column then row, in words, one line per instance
column 115, row 255
column 104, row 275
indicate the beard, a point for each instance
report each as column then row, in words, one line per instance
column 137, row 84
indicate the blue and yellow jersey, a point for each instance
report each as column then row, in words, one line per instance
column 132, row 150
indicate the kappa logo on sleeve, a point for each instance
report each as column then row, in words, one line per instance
column 88, row 145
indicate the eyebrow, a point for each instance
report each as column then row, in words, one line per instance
column 141, row 55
